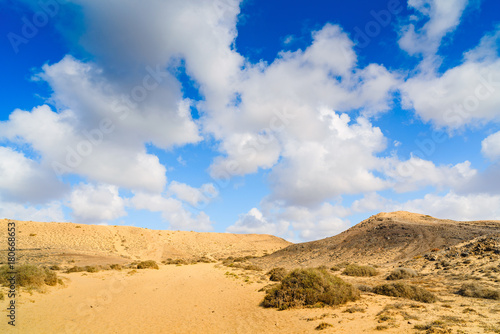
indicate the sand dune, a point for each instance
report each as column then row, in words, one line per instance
column 93, row 244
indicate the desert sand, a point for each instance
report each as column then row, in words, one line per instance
column 222, row 298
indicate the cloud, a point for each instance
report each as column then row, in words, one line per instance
column 197, row 197
column 480, row 206
column 254, row 222
column 312, row 224
column 342, row 162
column 162, row 32
column 442, row 18
column 25, row 181
column 457, row 207
column 416, row 173
column 294, row 223
column 463, row 95
column 49, row 212
column 172, row 211
column 96, row 203
column 490, row 146
column 272, row 109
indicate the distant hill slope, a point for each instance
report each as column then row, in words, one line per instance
column 46, row 242
column 385, row 237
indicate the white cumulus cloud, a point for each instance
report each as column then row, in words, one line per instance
column 96, row 203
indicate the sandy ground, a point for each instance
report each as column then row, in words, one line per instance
column 210, row 298
column 175, row 299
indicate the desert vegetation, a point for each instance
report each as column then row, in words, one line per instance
column 403, row 290
column 401, row 273
column 30, row 276
column 277, row 274
column 149, row 264
column 357, row 270
column 476, row 290
column 309, row 287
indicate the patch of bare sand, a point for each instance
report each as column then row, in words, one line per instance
column 200, row 298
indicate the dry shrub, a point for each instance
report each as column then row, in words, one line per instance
column 92, row 269
column 29, row 276
column 323, row 325
column 116, row 266
column 478, row 291
column 148, row 264
column 354, row 309
column 202, row 259
column 176, row 261
column 251, row 267
column 75, row 269
column 401, row 273
column 277, row 274
column 364, row 288
column 407, row 291
column 437, row 326
column 356, row 270
column 307, row 287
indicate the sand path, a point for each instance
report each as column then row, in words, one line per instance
column 187, row 299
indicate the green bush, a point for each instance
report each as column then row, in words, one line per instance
column 116, row 267
column 478, row 291
column 306, row 287
column 401, row 273
column 147, row 264
column 356, row 270
column 277, row 274
column 407, row 291
column 29, row 276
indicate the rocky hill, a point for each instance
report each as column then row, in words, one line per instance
column 382, row 238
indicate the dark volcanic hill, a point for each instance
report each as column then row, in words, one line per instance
column 383, row 238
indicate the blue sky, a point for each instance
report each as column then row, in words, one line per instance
column 249, row 116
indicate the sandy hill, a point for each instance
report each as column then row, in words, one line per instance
column 94, row 244
column 382, row 238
